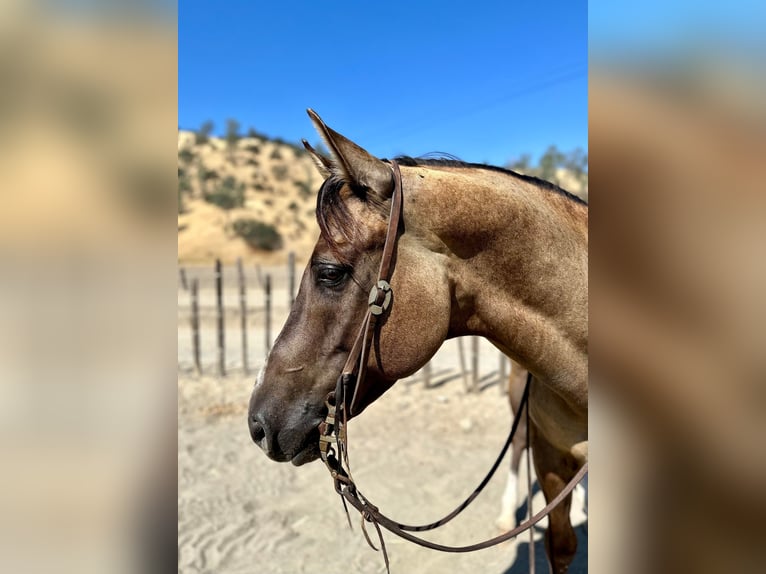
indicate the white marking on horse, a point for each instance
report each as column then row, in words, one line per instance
column 507, row 518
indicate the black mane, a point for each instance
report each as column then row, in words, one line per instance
column 452, row 162
column 333, row 215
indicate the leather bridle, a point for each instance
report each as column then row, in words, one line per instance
column 344, row 402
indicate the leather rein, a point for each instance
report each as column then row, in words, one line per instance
column 344, row 403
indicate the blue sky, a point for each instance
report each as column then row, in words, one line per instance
column 484, row 81
column 657, row 28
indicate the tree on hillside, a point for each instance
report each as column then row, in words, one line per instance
column 202, row 135
column 255, row 134
column 228, row 195
column 550, row 161
column 576, row 161
column 232, row 136
column 521, row 164
column 257, row 234
column 204, row 175
column 184, row 187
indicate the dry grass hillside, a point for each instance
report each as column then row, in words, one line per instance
column 254, row 179
column 254, row 198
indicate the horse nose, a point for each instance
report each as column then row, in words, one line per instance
column 257, row 431
column 265, row 436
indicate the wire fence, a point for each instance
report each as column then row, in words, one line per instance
column 229, row 317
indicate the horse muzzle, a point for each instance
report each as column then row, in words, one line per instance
column 283, row 433
column 264, row 436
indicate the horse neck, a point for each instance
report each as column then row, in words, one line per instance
column 516, row 258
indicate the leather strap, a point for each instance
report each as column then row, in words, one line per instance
column 485, row 481
column 350, row 383
column 371, row 513
column 380, row 299
column 346, row 487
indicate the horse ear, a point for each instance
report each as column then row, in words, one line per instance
column 321, row 162
column 363, row 171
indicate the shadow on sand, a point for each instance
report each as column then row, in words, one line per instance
column 579, row 564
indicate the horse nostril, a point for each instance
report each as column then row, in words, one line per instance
column 256, row 429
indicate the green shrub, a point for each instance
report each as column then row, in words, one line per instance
column 258, row 234
column 222, row 199
column 206, row 175
column 184, row 185
column 228, row 195
column 276, row 154
column 279, row 172
column 186, row 155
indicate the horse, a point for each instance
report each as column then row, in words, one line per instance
column 512, row 495
column 481, row 251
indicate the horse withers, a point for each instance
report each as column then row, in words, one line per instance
column 481, row 251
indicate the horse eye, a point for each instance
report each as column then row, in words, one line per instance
column 331, row 275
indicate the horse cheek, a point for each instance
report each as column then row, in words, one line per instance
column 418, row 324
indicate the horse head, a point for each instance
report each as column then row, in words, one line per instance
column 353, row 206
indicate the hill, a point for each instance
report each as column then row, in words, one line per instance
column 254, row 198
column 265, row 181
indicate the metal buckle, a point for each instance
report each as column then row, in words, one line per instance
column 326, row 429
column 378, row 307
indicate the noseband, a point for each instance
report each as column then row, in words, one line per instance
column 345, row 401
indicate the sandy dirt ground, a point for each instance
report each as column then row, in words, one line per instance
column 240, row 512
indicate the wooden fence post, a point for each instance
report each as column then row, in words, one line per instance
column 182, row 276
column 267, row 289
column 503, row 378
column 427, row 374
column 219, row 307
column 243, row 313
column 463, row 368
column 291, row 278
column 195, row 324
column 475, row 362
